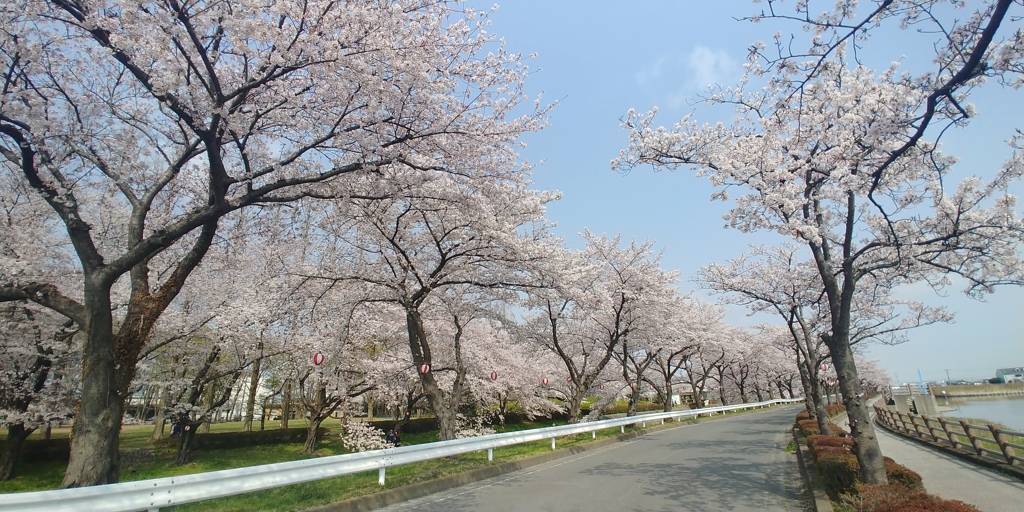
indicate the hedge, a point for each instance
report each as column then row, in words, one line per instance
column 840, row 475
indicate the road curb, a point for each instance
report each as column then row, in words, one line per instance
column 407, row 492
column 820, row 500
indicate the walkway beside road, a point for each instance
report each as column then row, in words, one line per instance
column 737, row 463
column 953, row 478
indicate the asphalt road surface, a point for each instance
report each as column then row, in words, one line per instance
column 736, row 464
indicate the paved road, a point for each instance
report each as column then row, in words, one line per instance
column 733, row 464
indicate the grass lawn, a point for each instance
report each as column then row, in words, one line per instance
column 986, row 437
column 40, row 475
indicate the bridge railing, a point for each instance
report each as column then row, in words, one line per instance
column 957, row 434
column 159, row 493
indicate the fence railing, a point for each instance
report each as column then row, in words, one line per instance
column 957, row 434
column 159, row 493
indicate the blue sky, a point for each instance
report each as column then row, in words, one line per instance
column 597, row 59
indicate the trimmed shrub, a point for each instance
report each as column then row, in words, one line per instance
column 809, row 428
column 896, row 498
column 902, row 475
column 838, row 470
column 834, row 441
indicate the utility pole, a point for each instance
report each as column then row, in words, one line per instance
column 947, row 376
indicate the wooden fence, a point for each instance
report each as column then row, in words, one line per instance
column 958, row 434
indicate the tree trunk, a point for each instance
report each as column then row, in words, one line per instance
column 204, row 428
column 869, row 454
column 575, row 404
column 16, row 435
column 159, row 419
column 667, row 406
column 312, row 435
column 47, row 432
column 95, row 439
column 286, row 403
column 188, row 434
column 250, row 403
column 634, row 398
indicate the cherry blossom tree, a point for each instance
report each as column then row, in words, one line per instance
column 37, row 354
column 149, row 123
column 826, row 167
column 641, row 349
column 591, row 302
column 442, row 245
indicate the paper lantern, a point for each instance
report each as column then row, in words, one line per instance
column 318, row 358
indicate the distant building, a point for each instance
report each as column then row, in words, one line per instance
column 1006, row 375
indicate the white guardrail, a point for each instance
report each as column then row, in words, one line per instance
column 157, row 493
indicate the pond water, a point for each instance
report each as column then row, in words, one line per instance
column 1008, row 411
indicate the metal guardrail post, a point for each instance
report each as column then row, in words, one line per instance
column 380, row 475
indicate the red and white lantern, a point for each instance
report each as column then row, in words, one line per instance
column 602, row 386
column 318, row 358
column 568, row 379
column 424, row 369
column 494, row 375
column 544, row 381
column 824, row 367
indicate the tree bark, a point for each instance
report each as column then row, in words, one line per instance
column 204, row 428
column 161, row 411
column 16, row 435
column 667, row 406
column 634, row 398
column 250, row 403
column 185, row 442
column 95, row 440
column 444, row 405
column 312, row 435
column 869, row 454
column 286, row 403
column 575, row 404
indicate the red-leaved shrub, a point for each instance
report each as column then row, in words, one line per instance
column 896, row 498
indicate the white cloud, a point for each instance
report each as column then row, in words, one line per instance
column 682, row 77
column 651, row 74
column 708, row 67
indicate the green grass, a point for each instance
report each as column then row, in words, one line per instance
column 41, row 475
column 986, row 437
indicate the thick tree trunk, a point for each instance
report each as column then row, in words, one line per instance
column 444, row 410
column 869, row 454
column 312, row 435
column 185, row 441
column 667, row 406
column 250, row 403
column 819, row 412
column 95, row 437
column 634, row 398
column 575, row 404
column 16, row 435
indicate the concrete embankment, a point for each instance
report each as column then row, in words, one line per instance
column 1013, row 388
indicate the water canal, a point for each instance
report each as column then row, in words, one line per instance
column 1007, row 411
